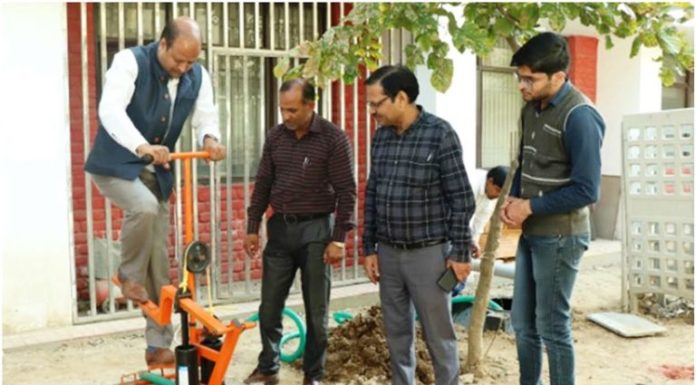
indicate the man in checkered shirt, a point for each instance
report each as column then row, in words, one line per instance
column 418, row 205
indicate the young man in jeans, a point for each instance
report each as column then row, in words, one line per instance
column 558, row 178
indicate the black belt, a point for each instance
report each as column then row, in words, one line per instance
column 414, row 245
column 295, row 218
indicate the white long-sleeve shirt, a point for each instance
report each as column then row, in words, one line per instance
column 119, row 86
column 484, row 206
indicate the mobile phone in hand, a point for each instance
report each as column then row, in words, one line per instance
column 448, row 280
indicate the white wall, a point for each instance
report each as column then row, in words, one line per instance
column 35, row 224
column 624, row 86
column 458, row 104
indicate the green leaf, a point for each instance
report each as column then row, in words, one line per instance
column 608, row 43
column 426, row 40
column 670, row 42
column 371, row 64
column 603, row 29
column 667, row 75
column 310, row 68
column 414, row 56
column 532, row 11
column 686, row 60
column 441, row 48
column 281, row 68
column 471, row 10
column 626, row 11
column 649, row 38
column 293, row 73
column 626, row 29
column 556, row 19
column 482, row 20
column 635, row 47
column 570, row 10
column 515, row 10
column 558, row 23
column 451, row 24
column 472, row 37
column 503, row 26
column 441, row 77
column 548, row 9
column 351, row 72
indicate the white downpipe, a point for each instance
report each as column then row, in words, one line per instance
column 505, row 270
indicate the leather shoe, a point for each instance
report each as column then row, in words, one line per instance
column 134, row 291
column 309, row 381
column 266, row 379
column 159, row 356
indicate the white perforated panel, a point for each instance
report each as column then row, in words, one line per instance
column 658, row 164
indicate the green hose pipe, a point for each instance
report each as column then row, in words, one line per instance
column 470, row 299
column 155, row 379
column 289, row 336
column 342, row 316
column 300, row 333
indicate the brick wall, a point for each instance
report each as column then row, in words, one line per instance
column 583, row 64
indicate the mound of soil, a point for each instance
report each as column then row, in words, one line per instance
column 358, row 351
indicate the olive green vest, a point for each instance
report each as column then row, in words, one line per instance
column 546, row 166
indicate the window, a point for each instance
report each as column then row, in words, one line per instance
column 499, row 108
column 680, row 94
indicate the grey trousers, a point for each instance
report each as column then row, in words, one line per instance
column 408, row 282
column 143, row 243
column 293, row 246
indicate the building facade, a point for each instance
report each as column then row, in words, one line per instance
column 59, row 237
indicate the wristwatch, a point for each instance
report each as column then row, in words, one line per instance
column 340, row 245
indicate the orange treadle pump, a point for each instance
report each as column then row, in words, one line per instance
column 197, row 323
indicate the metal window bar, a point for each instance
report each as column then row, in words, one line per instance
column 228, row 160
column 342, row 121
column 107, row 204
column 85, row 137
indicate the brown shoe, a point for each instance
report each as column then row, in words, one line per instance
column 159, row 357
column 309, row 381
column 266, row 379
column 134, row 291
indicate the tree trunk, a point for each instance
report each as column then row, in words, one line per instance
column 479, row 310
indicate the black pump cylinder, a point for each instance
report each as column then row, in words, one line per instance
column 207, row 366
column 186, row 365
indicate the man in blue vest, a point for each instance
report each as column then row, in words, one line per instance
column 149, row 92
column 558, row 178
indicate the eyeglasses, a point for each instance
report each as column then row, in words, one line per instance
column 375, row 105
column 527, row 81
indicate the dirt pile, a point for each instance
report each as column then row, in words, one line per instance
column 358, row 352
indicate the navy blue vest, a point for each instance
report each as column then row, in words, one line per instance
column 149, row 111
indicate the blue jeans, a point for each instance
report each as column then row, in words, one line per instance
column 545, row 271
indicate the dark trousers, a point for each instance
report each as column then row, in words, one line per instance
column 293, row 245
